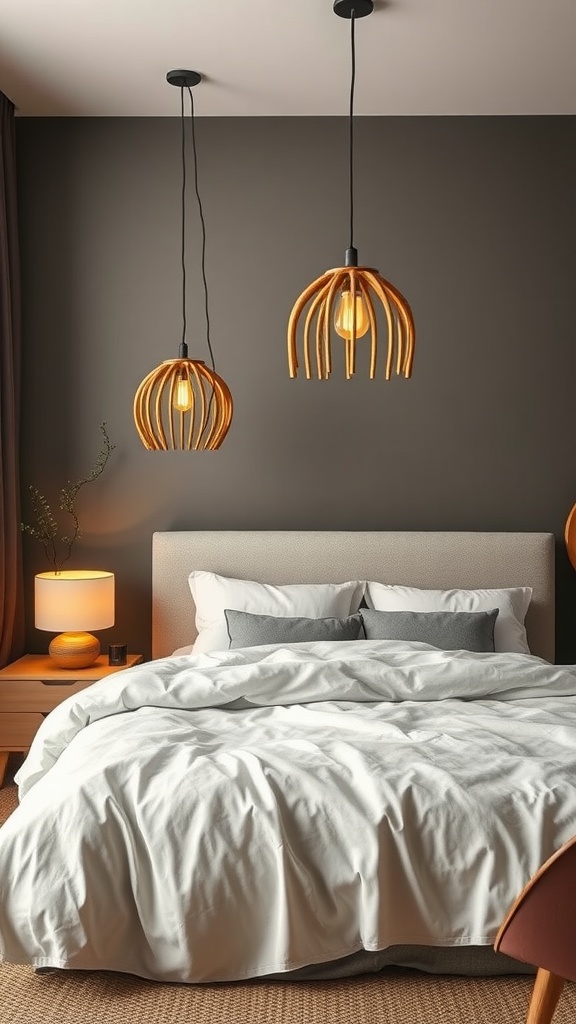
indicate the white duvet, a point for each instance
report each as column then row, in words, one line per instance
column 223, row 816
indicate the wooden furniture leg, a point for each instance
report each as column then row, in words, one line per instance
column 545, row 995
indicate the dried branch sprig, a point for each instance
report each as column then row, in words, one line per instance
column 45, row 527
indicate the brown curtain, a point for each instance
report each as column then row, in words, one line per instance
column 11, row 578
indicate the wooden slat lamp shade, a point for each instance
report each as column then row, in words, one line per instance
column 162, row 425
column 321, row 296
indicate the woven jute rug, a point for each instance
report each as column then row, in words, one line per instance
column 394, row 996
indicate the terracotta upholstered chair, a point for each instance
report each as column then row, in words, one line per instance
column 540, row 929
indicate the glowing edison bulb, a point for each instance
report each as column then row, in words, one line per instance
column 344, row 316
column 182, row 400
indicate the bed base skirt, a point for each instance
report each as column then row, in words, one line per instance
column 470, row 961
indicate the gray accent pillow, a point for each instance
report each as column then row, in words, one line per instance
column 248, row 630
column 450, row 631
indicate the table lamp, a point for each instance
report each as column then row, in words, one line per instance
column 70, row 602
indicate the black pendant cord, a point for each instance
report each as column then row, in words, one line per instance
column 183, row 347
column 351, row 126
column 202, row 222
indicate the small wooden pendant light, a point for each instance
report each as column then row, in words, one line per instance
column 354, row 288
column 183, row 404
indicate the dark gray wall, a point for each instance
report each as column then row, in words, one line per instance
column 474, row 219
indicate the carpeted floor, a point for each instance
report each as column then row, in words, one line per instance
column 396, row 997
column 393, row 997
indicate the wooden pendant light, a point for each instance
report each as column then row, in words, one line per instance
column 320, row 297
column 183, row 404
column 200, row 422
column 346, row 301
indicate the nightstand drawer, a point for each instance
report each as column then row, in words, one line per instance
column 34, row 685
column 17, row 730
column 35, row 695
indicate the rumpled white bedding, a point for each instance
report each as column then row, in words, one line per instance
column 231, row 815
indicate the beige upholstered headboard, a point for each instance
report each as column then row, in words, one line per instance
column 439, row 560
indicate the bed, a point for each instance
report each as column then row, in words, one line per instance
column 303, row 808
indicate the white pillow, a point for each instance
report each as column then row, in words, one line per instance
column 213, row 593
column 512, row 604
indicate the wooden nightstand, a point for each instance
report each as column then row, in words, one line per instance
column 32, row 686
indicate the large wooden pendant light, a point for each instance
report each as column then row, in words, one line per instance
column 345, row 300
column 183, row 404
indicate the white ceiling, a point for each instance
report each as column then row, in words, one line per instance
column 288, row 57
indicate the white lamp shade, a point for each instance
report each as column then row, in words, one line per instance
column 74, row 600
